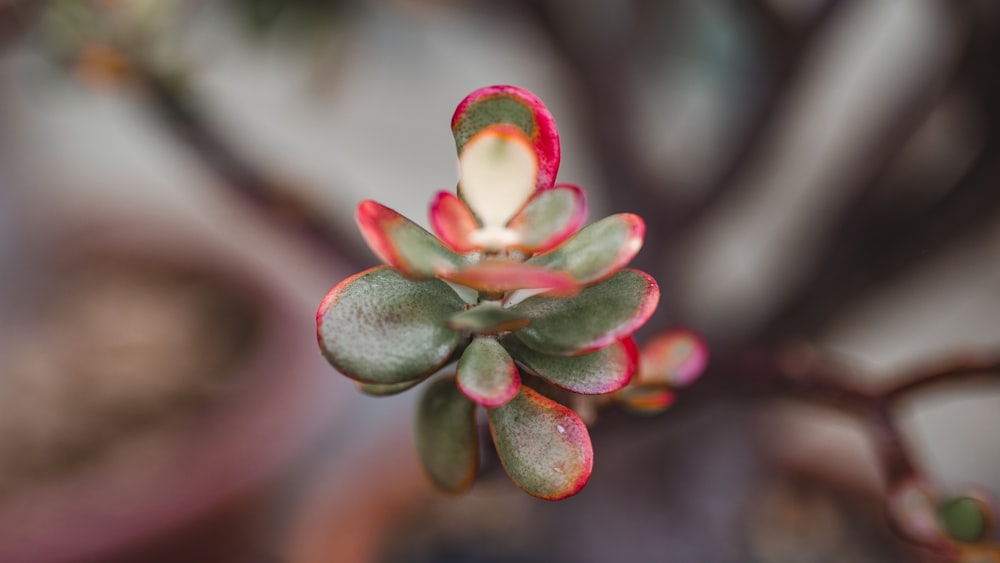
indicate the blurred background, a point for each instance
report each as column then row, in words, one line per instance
column 821, row 184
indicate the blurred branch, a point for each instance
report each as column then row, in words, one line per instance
column 872, row 248
column 791, row 51
column 599, row 57
column 608, row 91
column 181, row 117
column 985, row 367
column 802, row 373
column 15, row 18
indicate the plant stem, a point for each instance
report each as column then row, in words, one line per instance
column 177, row 111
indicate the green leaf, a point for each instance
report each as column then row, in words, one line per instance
column 964, row 519
column 380, row 327
column 386, row 389
column 488, row 111
column 488, row 317
column 597, row 251
column 486, row 374
column 645, row 399
column 675, row 358
column 598, row 316
column 544, row 446
column 446, row 438
column 549, row 218
column 499, row 276
column 402, row 244
column 912, row 507
column 504, row 104
column 603, row 371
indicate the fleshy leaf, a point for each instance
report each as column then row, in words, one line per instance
column 497, row 174
column 446, row 437
column 675, row 358
column 500, row 276
column 380, row 327
column 598, row 316
column 544, row 446
column 643, row 399
column 549, row 218
column 964, row 519
column 516, row 106
column 486, row 374
column 911, row 507
column 452, row 220
column 599, row 250
column 403, row 244
column 603, row 371
column 488, row 317
column 387, row 389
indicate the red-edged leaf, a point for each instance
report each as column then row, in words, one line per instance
column 446, row 438
column 549, row 218
column 516, row 106
column 599, row 250
column 387, row 389
column 597, row 317
column 912, row 509
column 644, row 399
column 675, row 358
column 453, row 222
column 403, row 244
column 487, row 374
column 603, row 371
column 380, row 327
column 488, row 317
column 500, row 276
column 544, row 446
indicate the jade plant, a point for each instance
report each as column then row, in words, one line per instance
column 530, row 305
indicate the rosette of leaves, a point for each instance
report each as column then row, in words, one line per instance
column 511, row 284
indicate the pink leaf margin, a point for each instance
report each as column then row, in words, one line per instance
column 544, row 138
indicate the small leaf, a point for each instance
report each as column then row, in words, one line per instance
column 544, row 446
column 911, row 508
column 403, row 244
column 599, row 250
column 452, row 220
column 603, row 371
column 497, row 174
column 598, row 316
column 549, row 218
column 675, row 358
column 386, row 389
column 446, row 438
column 515, row 106
column 500, row 276
column 488, row 317
column 486, row 374
column 964, row 519
column 380, row 327
column 643, row 399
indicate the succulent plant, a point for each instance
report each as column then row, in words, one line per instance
column 510, row 288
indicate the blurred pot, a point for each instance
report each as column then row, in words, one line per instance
column 166, row 463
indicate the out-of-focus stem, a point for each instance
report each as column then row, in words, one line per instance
column 178, row 112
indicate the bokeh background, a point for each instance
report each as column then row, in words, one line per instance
column 820, row 179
